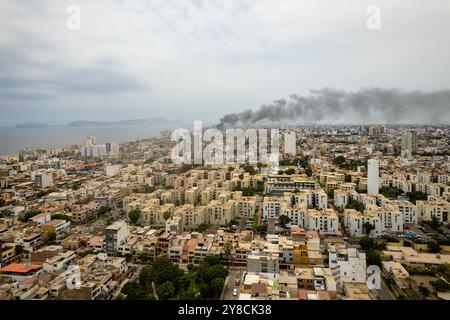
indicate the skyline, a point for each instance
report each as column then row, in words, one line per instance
column 186, row 60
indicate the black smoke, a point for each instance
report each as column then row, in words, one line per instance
column 372, row 105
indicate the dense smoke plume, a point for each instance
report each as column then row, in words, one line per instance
column 372, row 105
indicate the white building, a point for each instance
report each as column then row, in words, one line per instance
column 409, row 143
column 373, row 179
column 43, row 180
column 355, row 221
column 174, row 225
column 112, row 170
column 116, row 235
column 348, row 265
column 112, row 148
column 93, row 151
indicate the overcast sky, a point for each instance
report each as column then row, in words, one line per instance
column 201, row 59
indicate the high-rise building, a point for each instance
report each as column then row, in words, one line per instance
column 116, row 235
column 373, row 180
column 409, row 143
column 89, row 141
column 94, row 151
column 112, row 148
column 43, row 180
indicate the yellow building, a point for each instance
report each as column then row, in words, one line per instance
column 300, row 254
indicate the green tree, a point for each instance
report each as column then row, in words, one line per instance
column 373, row 258
column 367, row 227
column 202, row 227
column 424, row 291
column 339, row 160
column 417, row 195
column 290, row 171
column 283, row 220
column 261, row 229
column 354, row 204
column 61, row 217
column 250, row 169
column 103, row 210
column 51, row 236
column 167, row 215
column 19, row 249
column 29, row 214
column 435, row 223
column 366, row 243
column 434, row 247
column 390, row 192
column 216, row 287
column 227, row 248
column 166, row 290
column 440, row 285
column 134, row 216
column 144, row 257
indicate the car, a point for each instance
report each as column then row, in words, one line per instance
column 235, row 292
column 237, row 282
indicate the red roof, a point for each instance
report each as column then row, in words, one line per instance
column 20, row 268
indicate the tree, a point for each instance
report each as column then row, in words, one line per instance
column 184, row 281
column 290, row 171
column 440, row 285
column 29, row 214
column 435, row 223
column 373, row 258
column 51, row 236
column 417, row 195
column 202, row 227
column 61, row 217
column 215, row 288
column 434, row 247
column 144, row 257
column 283, row 220
column 250, row 169
column 366, row 243
column 166, row 290
column 339, row 160
column 134, row 216
column 390, row 192
column 75, row 186
column 354, row 204
column 103, row 210
column 19, row 249
column 167, row 215
column 261, row 229
column 128, row 257
column 227, row 248
column 424, row 291
column 367, row 227
column 211, row 260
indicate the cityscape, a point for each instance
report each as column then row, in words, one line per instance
column 218, row 158
column 121, row 221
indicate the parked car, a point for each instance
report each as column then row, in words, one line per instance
column 235, row 292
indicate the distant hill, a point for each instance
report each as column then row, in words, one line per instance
column 132, row 122
column 32, row 125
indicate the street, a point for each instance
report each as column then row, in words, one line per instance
column 235, row 273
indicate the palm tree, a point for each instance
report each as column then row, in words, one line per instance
column 227, row 247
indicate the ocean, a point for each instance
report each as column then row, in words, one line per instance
column 14, row 139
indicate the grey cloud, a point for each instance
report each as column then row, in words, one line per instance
column 93, row 80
